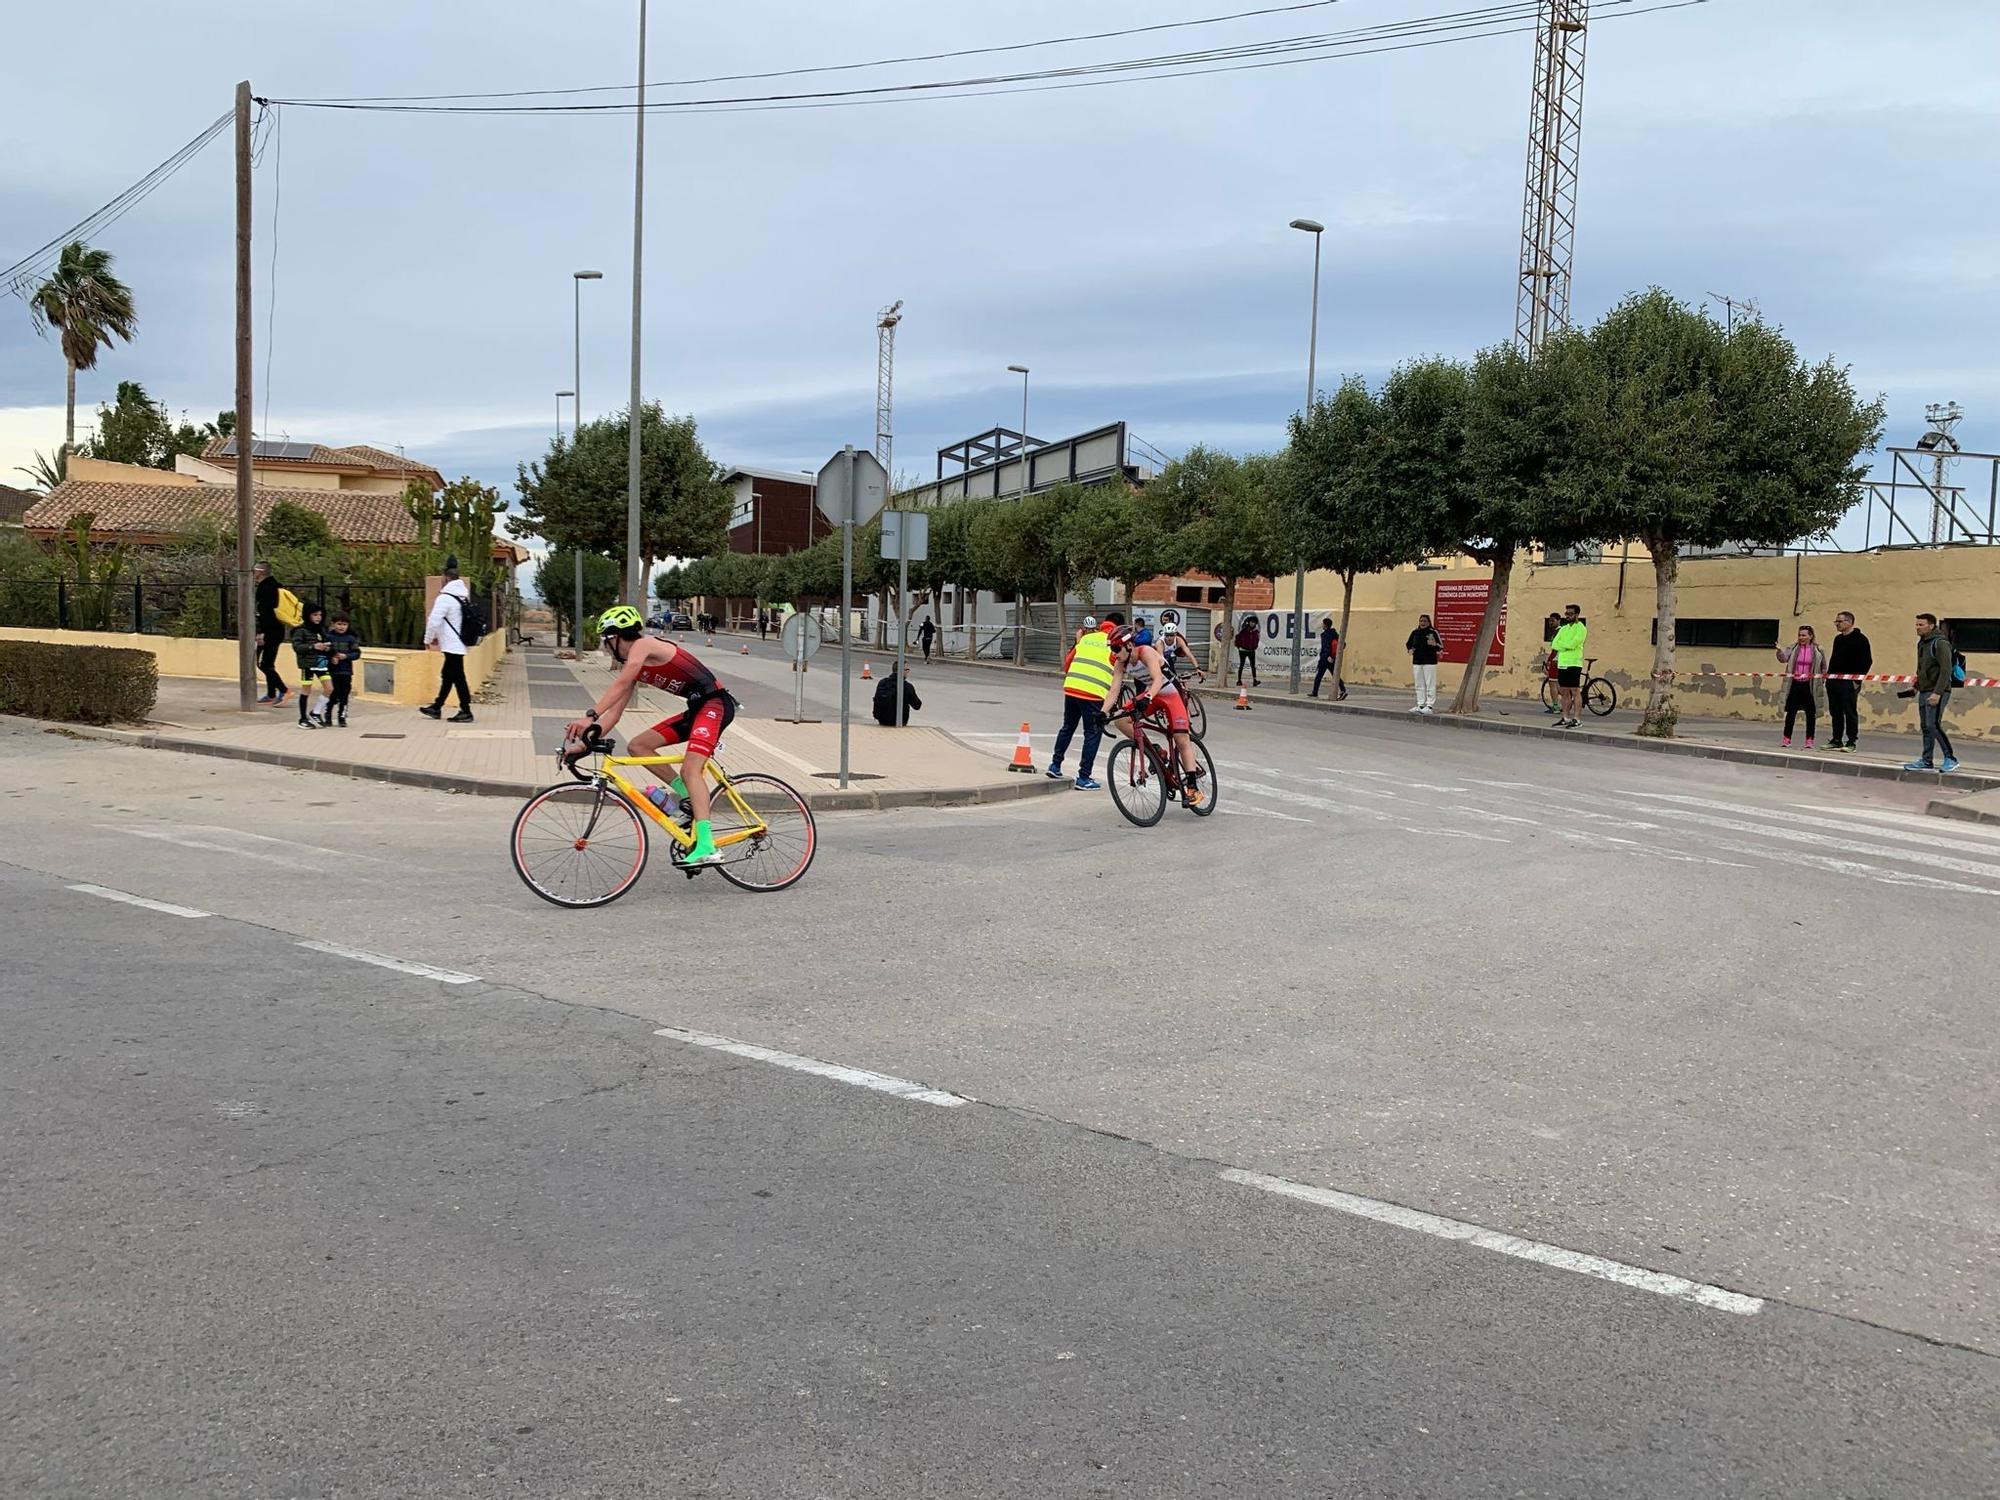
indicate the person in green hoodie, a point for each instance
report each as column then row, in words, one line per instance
column 1568, row 648
column 1934, row 678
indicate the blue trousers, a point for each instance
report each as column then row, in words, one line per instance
column 1078, row 711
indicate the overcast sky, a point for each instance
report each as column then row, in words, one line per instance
column 1831, row 159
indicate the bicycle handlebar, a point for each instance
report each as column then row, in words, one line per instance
column 594, row 742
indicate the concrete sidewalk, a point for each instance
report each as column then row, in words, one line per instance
column 509, row 750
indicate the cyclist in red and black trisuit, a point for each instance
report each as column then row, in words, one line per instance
column 676, row 670
column 1157, row 694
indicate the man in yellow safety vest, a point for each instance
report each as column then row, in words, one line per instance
column 1087, row 677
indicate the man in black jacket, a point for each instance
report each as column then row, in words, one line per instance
column 885, row 700
column 1851, row 657
column 270, row 634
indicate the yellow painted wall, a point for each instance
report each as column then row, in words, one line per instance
column 417, row 672
column 103, row 471
column 1883, row 591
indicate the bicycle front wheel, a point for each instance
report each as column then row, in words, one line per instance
column 579, row 846
column 1136, row 783
column 782, row 838
column 1599, row 696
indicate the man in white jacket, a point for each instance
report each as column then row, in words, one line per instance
column 441, row 633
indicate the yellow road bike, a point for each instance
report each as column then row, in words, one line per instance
column 584, row 842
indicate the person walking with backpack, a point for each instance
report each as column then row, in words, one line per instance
column 1248, row 637
column 1851, row 656
column 454, row 627
column 1936, row 667
column 270, row 633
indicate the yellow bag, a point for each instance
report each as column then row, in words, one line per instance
column 291, row 610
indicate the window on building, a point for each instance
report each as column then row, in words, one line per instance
column 1187, row 593
column 1982, row 636
column 1215, row 596
column 1722, row 635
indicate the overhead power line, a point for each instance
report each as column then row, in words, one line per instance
column 20, row 276
column 1427, row 31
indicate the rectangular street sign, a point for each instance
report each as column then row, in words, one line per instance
column 871, row 489
column 906, row 535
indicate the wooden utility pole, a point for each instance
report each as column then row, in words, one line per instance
column 246, row 520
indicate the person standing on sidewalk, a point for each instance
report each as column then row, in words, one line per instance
column 1087, row 677
column 1568, row 648
column 1424, row 646
column 441, row 634
column 270, row 634
column 1851, row 656
column 315, row 667
column 1805, row 664
column 345, row 646
column 1329, row 660
column 1248, row 638
column 1551, row 623
column 1933, row 692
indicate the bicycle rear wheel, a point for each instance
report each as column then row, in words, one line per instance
column 1197, row 711
column 1549, row 699
column 579, row 846
column 780, row 854
column 1136, row 783
column 1599, row 696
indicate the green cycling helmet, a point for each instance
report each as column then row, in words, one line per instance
column 619, row 618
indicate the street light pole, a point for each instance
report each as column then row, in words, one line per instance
column 576, row 281
column 1020, row 600
column 635, row 585
column 1315, row 229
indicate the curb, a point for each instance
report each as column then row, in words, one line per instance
column 1963, row 810
column 476, row 786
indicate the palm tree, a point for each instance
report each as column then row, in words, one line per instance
column 90, row 307
column 48, row 470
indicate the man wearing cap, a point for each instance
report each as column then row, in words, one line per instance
column 1087, row 677
column 441, row 634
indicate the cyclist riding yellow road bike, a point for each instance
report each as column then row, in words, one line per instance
column 672, row 669
column 1158, row 694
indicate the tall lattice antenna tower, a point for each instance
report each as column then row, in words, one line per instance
column 885, row 385
column 1939, row 442
column 1555, row 139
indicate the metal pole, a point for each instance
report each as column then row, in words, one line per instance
column 246, row 520
column 1021, row 600
column 635, row 585
column 846, row 608
column 576, row 421
column 902, row 614
column 1299, row 580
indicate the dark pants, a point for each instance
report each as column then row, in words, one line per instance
column 343, row 688
column 1328, row 664
column 1930, row 719
column 453, row 678
column 1843, row 700
column 267, row 663
column 1246, row 658
column 1078, row 711
column 927, row 647
column 1799, row 700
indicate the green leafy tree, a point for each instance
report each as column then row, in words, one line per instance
column 1012, row 553
column 291, row 527
column 1695, row 435
column 1109, row 533
column 90, row 309
column 951, row 558
column 47, row 470
column 135, row 429
column 555, row 582
column 575, row 495
column 1221, row 515
column 1330, row 494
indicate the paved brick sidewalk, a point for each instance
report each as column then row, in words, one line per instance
column 510, row 747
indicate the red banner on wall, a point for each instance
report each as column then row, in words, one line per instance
column 1456, row 614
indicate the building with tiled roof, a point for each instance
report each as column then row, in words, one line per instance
column 14, row 504
column 159, row 514
column 357, row 466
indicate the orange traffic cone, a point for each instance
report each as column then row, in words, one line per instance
column 1024, row 755
column 866, row 672
column 1242, row 697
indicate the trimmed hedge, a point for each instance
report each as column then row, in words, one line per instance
column 77, row 684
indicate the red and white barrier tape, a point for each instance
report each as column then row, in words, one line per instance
column 1852, row 677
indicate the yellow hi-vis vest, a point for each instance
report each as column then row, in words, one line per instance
column 1090, row 671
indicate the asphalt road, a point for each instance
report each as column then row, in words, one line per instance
column 277, row 1221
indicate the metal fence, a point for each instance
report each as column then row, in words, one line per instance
column 383, row 614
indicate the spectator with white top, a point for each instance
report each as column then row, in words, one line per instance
column 443, row 633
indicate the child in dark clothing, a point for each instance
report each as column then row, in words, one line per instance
column 309, row 646
column 344, row 646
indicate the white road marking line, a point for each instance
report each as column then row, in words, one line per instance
column 882, row 1083
column 1477, row 781
column 383, row 961
column 131, row 900
column 1827, row 841
column 1929, row 838
column 1638, row 1278
column 167, row 837
column 265, row 838
column 1277, row 773
column 1456, row 833
column 1914, row 822
column 1350, row 771
column 1260, row 812
column 1850, row 867
column 1305, row 799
